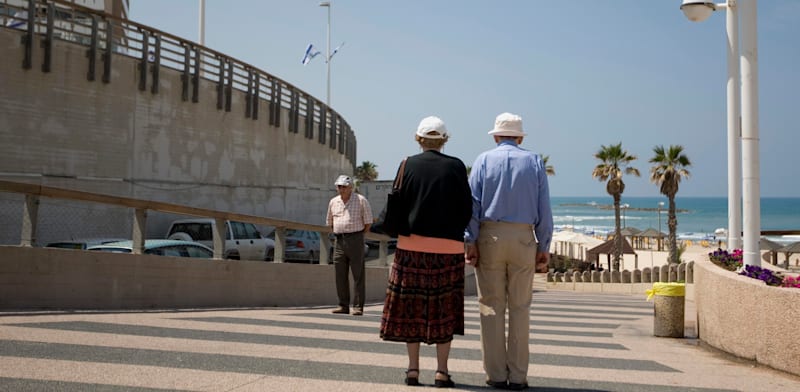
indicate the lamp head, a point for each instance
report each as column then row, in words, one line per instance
column 325, row 4
column 698, row 10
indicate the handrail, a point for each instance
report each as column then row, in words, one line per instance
column 158, row 48
column 35, row 191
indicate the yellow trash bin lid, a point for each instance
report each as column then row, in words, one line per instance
column 665, row 289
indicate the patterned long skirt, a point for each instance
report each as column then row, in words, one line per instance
column 424, row 298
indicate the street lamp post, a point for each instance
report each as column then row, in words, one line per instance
column 746, row 145
column 624, row 207
column 327, row 4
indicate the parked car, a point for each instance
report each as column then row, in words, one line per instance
column 160, row 247
column 304, row 246
column 301, row 245
column 243, row 241
column 82, row 243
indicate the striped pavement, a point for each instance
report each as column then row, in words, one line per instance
column 579, row 342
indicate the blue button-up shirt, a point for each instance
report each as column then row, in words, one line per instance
column 509, row 184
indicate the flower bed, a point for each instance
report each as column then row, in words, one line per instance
column 733, row 262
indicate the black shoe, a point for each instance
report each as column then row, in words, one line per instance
column 412, row 381
column 444, row 383
column 512, row 386
column 497, row 384
column 341, row 310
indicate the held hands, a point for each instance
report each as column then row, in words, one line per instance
column 471, row 254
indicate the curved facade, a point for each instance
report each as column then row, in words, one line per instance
column 251, row 143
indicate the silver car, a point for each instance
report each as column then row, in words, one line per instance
column 161, row 248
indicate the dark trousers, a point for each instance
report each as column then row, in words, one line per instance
column 348, row 253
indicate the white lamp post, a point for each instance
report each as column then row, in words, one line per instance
column 327, row 4
column 624, row 207
column 748, row 179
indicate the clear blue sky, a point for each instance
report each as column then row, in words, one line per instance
column 581, row 74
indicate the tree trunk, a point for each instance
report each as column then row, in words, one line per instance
column 672, row 224
column 617, row 233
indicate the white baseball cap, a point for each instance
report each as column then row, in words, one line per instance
column 432, row 127
column 344, row 180
column 507, row 124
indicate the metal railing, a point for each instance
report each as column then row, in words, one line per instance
column 138, row 210
column 106, row 35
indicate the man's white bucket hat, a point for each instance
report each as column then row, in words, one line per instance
column 507, row 124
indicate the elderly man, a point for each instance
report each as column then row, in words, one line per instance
column 507, row 239
column 349, row 216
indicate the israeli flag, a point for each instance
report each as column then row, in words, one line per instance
column 336, row 49
column 21, row 20
column 310, row 54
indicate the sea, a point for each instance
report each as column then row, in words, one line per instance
column 699, row 218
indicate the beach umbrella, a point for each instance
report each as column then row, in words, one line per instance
column 773, row 248
column 790, row 249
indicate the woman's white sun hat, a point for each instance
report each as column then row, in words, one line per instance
column 432, row 127
column 507, row 124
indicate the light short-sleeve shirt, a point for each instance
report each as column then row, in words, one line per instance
column 349, row 217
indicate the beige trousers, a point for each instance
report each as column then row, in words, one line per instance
column 505, row 281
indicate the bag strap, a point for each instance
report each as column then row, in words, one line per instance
column 398, row 180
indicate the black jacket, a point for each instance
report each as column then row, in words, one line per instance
column 436, row 194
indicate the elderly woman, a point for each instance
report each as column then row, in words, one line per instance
column 425, row 295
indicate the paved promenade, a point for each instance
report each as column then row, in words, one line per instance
column 580, row 342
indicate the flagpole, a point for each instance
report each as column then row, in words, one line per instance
column 328, row 53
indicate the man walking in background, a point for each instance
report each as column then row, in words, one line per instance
column 349, row 217
column 507, row 240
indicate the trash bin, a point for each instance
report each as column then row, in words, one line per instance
column 668, row 306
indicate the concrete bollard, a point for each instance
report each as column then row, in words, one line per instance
column 663, row 275
column 587, row 277
column 647, row 275
column 681, row 272
column 690, row 272
column 605, row 276
column 637, row 276
column 595, row 276
column 673, row 272
column 558, row 277
column 550, row 277
column 577, row 276
column 655, row 275
column 626, row 276
column 668, row 309
column 616, row 277
column 567, row 277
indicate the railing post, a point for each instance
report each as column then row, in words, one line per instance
column 143, row 61
column 47, row 42
column 219, row 234
column 324, row 248
column 107, row 53
column 139, row 227
column 280, row 244
column 27, row 39
column 383, row 252
column 91, row 53
column 155, row 67
column 30, row 214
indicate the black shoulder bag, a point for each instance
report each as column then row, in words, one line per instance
column 394, row 217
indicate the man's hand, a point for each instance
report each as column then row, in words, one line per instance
column 471, row 254
column 542, row 261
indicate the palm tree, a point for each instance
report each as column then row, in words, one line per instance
column 549, row 169
column 613, row 162
column 669, row 167
column 366, row 172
